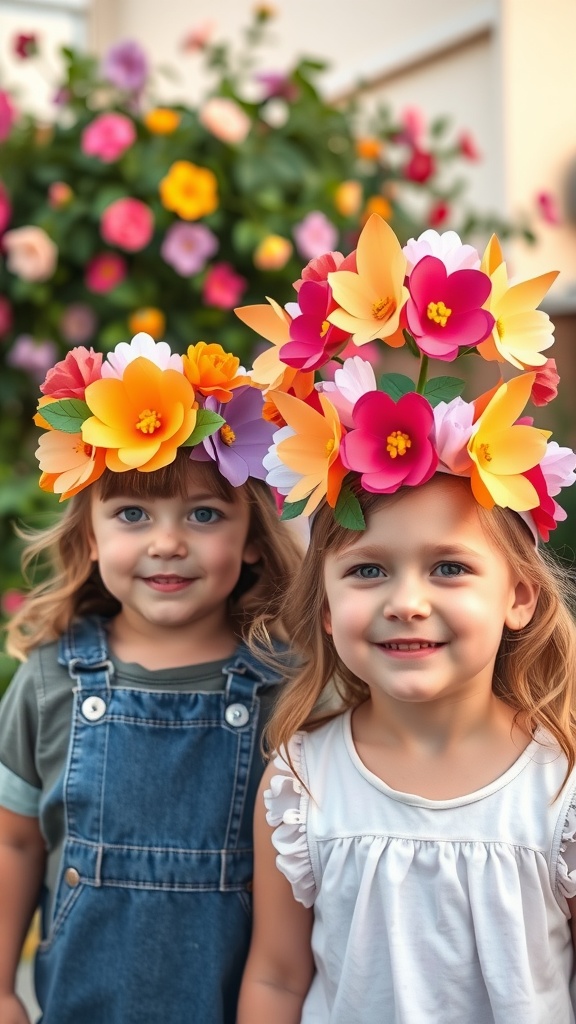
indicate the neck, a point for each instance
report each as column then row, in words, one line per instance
column 157, row 648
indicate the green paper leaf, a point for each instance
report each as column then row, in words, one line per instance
column 396, row 385
column 291, row 509
column 443, row 389
column 207, row 423
column 67, row 415
column 348, row 511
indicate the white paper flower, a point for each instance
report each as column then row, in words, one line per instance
column 447, row 247
column 158, row 352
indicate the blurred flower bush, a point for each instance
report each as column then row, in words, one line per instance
column 126, row 214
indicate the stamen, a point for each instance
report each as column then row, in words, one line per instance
column 227, row 434
column 323, row 330
column 485, row 451
column 383, row 308
column 149, row 421
column 500, row 328
column 398, row 443
column 439, row 313
column 329, row 447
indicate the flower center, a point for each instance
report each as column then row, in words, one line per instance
column 485, row 452
column 439, row 313
column 397, row 443
column 86, row 449
column 227, row 434
column 149, row 421
column 324, row 328
column 500, row 328
column 383, row 308
column 329, row 447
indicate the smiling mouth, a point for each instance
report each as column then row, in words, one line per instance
column 416, row 645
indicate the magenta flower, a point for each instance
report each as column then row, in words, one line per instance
column 25, row 45
column 444, row 310
column 187, row 247
column 105, row 272
column 127, row 223
column 78, row 323
column 315, row 235
column 35, row 357
column 276, row 85
column 108, row 136
column 6, row 316
column 7, row 115
column 390, row 444
column 71, row 376
column 420, row 167
column 239, row 447
column 5, row 209
column 125, row 65
column 223, row 287
column 313, row 341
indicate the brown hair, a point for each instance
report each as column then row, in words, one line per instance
column 72, row 585
column 535, row 670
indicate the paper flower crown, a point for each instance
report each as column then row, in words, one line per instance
column 136, row 407
column 440, row 299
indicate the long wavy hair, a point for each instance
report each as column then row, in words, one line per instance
column 71, row 585
column 535, row 670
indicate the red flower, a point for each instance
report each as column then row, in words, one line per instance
column 71, row 376
column 545, row 386
column 25, row 45
column 420, row 166
column 438, row 214
column 468, row 147
column 223, row 287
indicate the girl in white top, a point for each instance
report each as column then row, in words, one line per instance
column 426, row 831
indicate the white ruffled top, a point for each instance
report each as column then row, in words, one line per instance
column 429, row 911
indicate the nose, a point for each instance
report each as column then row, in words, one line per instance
column 167, row 541
column 407, row 599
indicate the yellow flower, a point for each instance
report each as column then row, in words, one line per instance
column 149, row 320
column 268, row 371
column 368, row 148
column 502, row 450
column 212, row 371
column 273, row 253
column 189, row 191
column 371, row 299
column 313, row 451
column 162, row 121
column 142, row 418
column 68, row 463
column 348, row 197
column 521, row 331
column 378, row 205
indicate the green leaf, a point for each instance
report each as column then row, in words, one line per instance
column 396, row 385
column 67, row 415
column 443, row 389
column 348, row 511
column 291, row 509
column 207, row 423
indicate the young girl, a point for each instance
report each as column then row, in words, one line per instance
column 415, row 845
column 129, row 738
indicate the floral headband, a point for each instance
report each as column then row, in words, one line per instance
column 136, row 407
column 440, row 299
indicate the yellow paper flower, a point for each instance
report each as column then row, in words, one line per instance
column 313, row 451
column 68, row 463
column 272, row 253
column 522, row 332
column 212, row 371
column 149, row 320
column 268, row 371
column 162, row 121
column 189, row 191
column 142, row 418
column 502, row 450
column 348, row 198
column 371, row 299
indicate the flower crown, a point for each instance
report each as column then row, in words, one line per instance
column 136, row 407
column 440, row 299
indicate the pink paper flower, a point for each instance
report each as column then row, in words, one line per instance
column 453, row 426
column 105, row 272
column 223, row 287
column 30, row 253
column 108, row 136
column 315, row 235
column 6, row 316
column 319, row 267
column 225, row 119
column 127, row 223
column 35, row 357
column 71, row 376
column 126, row 66
column 5, row 209
column 545, row 386
column 390, row 444
column 313, row 341
column 187, row 247
column 445, row 311
column 352, row 380
column 7, row 115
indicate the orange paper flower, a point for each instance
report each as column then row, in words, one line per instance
column 68, row 463
column 313, row 451
column 212, row 371
column 273, row 323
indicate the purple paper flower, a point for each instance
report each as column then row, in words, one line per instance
column 125, row 65
column 240, row 445
column 187, row 247
column 35, row 357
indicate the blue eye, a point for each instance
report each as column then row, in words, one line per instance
column 449, row 570
column 205, row 515
column 368, row 572
column 133, row 514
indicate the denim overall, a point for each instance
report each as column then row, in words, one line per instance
column 152, row 913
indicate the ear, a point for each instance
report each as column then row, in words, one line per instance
column 327, row 620
column 92, row 547
column 523, row 606
column 251, row 553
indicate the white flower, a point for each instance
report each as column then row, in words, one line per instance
column 453, row 425
column 279, row 476
column 158, row 352
column 446, row 247
column 354, row 379
column 558, row 467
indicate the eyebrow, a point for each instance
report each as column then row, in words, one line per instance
column 375, row 552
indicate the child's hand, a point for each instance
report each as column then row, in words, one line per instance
column 12, row 1010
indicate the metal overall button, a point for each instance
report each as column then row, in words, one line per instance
column 236, row 715
column 72, row 877
column 93, row 708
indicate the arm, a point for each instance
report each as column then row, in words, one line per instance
column 22, row 860
column 280, row 965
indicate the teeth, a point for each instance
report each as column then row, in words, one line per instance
column 409, row 647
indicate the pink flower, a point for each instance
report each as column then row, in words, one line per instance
column 444, row 310
column 59, row 194
column 438, row 213
column 223, row 287
column 390, row 444
column 25, row 45
column 225, row 119
column 453, row 426
column 468, row 147
column 31, row 254
column 420, row 167
column 6, row 316
column 319, row 268
column 126, row 66
column 11, row 601
column 187, row 247
column 315, row 235
column 35, row 357
column 127, row 223
column 199, row 37
column 5, row 209
column 548, row 208
column 352, row 380
column 276, row 85
column 71, row 376
column 413, row 125
column 78, row 323
column 7, row 115
column 446, row 247
column 545, row 386
column 108, row 136
column 313, row 341
column 105, row 272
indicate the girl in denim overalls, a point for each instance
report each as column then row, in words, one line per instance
column 130, row 736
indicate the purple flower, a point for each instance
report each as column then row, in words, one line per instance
column 187, row 247
column 125, row 65
column 36, row 357
column 276, row 85
column 315, row 235
column 240, row 445
column 78, row 323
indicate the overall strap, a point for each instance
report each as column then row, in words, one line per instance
column 246, row 674
column 83, row 650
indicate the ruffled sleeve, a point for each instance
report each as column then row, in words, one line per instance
column 286, row 811
column 567, row 854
